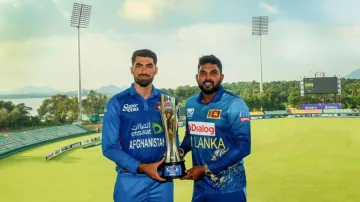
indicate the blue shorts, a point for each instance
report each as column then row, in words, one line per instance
column 141, row 188
column 239, row 196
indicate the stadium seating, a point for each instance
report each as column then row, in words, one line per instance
column 276, row 113
column 340, row 111
column 306, row 111
column 256, row 113
column 26, row 139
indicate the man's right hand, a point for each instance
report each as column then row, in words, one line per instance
column 152, row 170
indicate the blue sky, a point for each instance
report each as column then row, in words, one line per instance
column 37, row 45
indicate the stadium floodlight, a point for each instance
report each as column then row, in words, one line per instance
column 260, row 27
column 80, row 18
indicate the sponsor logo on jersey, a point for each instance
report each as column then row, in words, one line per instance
column 148, row 128
column 244, row 116
column 141, row 129
column 214, row 114
column 157, row 128
column 201, row 128
column 130, row 108
column 244, row 119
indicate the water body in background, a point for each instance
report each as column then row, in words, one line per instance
column 34, row 103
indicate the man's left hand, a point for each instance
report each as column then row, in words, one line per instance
column 195, row 173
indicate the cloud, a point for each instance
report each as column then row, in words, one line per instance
column 105, row 57
column 13, row 3
column 5, row 1
column 314, row 47
column 348, row 31
column 212, row 34
column 59, row 7
column 144, row 10
column 33, row 19
column 344, row 12
column 149, row 10
column 312, row 40
column 271, row 9
column 16, row 5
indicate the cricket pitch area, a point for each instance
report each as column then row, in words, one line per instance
column 292, row 160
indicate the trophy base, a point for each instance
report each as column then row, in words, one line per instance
column 173, row 170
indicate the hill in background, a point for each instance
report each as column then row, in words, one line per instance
column 44, row 92
column 111, row 89
column 353, row 75
column 31, row 89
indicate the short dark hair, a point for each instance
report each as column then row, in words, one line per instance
column 212, row 59
column 144, row 53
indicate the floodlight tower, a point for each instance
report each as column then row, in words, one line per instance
column 260, row 27
column 80, row 18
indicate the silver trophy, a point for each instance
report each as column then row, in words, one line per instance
column 174, row 165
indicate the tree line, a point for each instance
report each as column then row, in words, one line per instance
column 55, row 110
column 277, row 95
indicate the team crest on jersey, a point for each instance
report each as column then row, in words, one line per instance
column 190, row 112
column 214, row 114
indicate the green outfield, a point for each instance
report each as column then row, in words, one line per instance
column 292, row 160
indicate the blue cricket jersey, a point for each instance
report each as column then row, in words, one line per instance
column 132, row 131
column 218, row 134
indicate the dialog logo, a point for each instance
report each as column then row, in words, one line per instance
column 201, row 128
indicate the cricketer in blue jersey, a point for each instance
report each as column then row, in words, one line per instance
column 219, row 137
column 133, row 136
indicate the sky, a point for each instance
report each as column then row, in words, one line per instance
column 39, row 47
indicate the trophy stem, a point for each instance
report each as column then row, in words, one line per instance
column 167, row 138
column 174, row 166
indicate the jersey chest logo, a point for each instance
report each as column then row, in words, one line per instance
column 130, row 108
column 214, row 114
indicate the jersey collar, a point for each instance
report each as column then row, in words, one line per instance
column 216, row 98
column 133, row 91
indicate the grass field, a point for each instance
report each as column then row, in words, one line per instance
column 292, row 160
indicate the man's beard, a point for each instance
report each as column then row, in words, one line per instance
column 211, row 90
column 143, row 82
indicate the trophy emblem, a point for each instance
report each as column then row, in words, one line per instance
column 173, row 166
